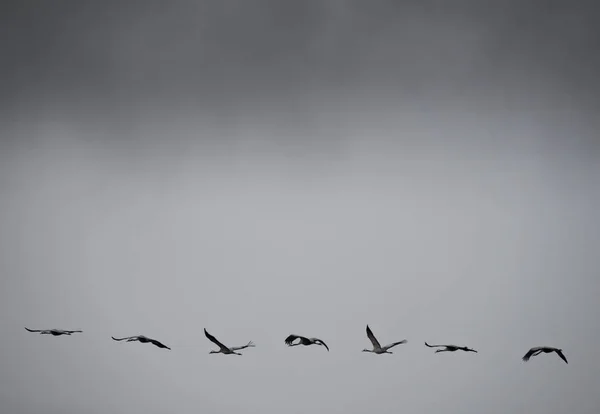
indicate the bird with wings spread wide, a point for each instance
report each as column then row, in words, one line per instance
column 543, row 349
column 54, row 332
column 143, row 339
column 450, row 348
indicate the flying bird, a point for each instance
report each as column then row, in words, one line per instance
column 225, row 349
column 450, row 348
column 377, row 348
column 55, row 332
column 545, row 349
column 143, row 339
column 304, row 341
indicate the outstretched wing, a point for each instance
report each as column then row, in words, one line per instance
column 248, row 345
column 33, row 330
column 290, row 339
column 70, row 332
column 158, row 344
column 122, row 339
column 372, row 338
column 529, row 354
column 214, row 340
column 561, row 355
column 467, row 349
column 434, row 346
column 323, row 343
column 394, row 344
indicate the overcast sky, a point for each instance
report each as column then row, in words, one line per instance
column 261, row 168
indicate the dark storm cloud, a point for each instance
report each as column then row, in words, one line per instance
column 102, row 59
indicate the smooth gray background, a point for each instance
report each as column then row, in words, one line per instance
column 261, row 168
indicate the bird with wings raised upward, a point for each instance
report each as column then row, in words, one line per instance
column 227, row 350
column 377, row 348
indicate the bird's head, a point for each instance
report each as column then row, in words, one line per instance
column 366, row 350
column 213, row 352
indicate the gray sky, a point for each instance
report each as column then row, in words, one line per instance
column 271, row 167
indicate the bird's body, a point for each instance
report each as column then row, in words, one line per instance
column 54, row 332
column 226, row 349
column 143, row 339
column 546, row 350
column 450, row 348
column 302, row 340
column 377, row 348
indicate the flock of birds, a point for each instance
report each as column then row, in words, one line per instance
column 295, row 340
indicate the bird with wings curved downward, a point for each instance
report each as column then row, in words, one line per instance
column 143, row 339
column 226, row 349
column 450, row 348
column 377, row 348
column 54, row 332
column 544, row 349
column 302, row 340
